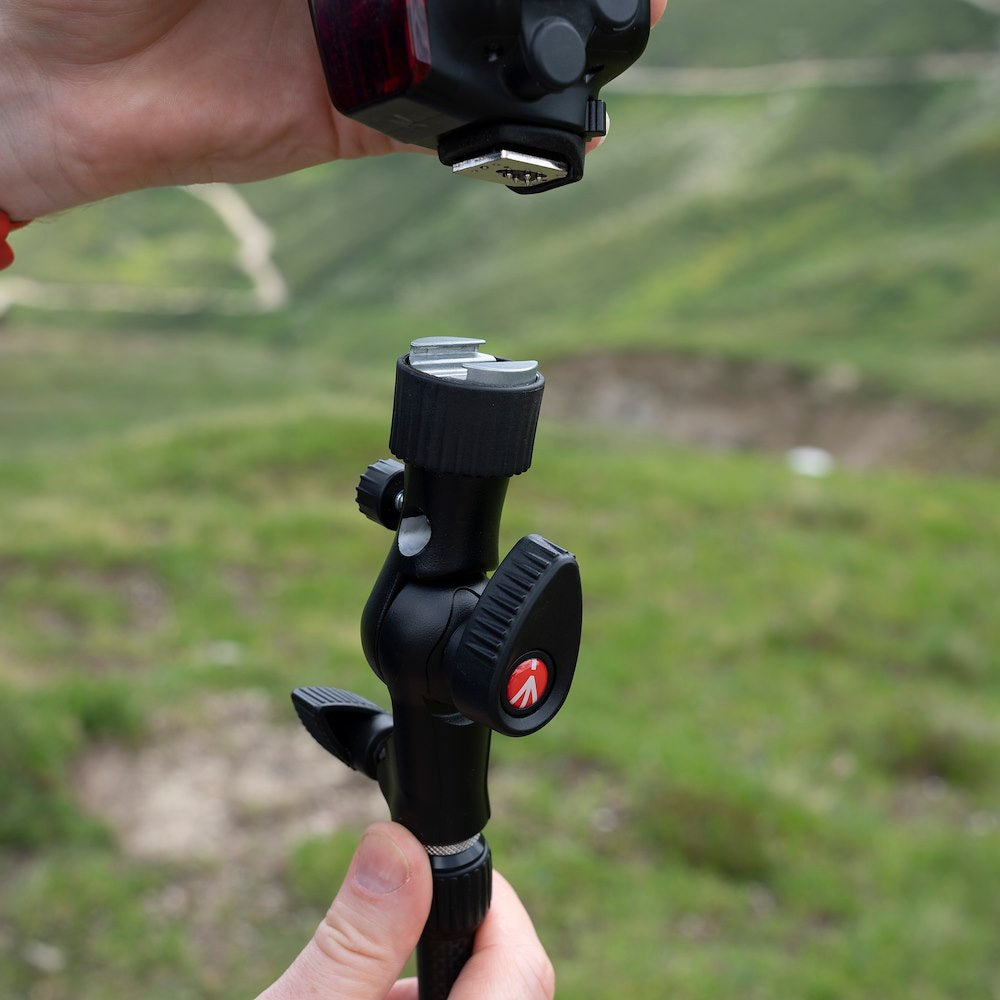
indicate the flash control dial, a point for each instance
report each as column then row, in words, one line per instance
column 616, row 14
column 556, row 54
column 511, row 667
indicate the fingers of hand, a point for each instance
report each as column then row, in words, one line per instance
column 509, row 962
column 371, row 927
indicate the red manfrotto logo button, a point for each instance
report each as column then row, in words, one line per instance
column 527, row 684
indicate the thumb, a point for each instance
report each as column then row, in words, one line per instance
column 371, row 927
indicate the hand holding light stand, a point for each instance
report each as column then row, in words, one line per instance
column 462, row 654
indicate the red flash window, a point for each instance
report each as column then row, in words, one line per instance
column 374, row 49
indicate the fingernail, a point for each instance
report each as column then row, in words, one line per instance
column 380, row 866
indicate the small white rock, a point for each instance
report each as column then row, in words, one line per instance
column 223, row 653
column 44, row 957
column 809, row 461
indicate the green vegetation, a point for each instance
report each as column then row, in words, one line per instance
column 714, row 33
column 781, row 751
column 778, row 774
column 814, row 226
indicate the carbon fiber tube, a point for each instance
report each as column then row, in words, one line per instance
column 463, row 884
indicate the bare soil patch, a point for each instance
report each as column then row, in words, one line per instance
column 732, row 405
column 227, row 784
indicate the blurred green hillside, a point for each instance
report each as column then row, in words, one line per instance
column 796, row 789
column 714, row 33
column 810, row 225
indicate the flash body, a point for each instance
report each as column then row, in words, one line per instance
column 506, row 91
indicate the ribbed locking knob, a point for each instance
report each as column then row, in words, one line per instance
column 380, row 490
column 511, row 667
column 463, row 884
column 463, row 428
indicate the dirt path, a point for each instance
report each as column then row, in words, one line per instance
column 254, row 242
column 232, row 783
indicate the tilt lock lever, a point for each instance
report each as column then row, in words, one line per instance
column 462, row 653
column 506, row 91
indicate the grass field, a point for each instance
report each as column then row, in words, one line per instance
column 778, row 774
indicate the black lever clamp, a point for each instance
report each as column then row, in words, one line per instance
column 461, row 653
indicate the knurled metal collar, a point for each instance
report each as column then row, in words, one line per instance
column 447, row 850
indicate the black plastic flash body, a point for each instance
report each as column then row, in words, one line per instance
column 505, row 90
column 462, row 653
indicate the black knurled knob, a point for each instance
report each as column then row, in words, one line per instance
column 379, row 492
column 461, row 428
column 463, row 886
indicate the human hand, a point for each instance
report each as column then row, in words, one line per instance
column 373, row 925
column 109, row 96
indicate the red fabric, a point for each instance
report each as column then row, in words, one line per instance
column 7, row 226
